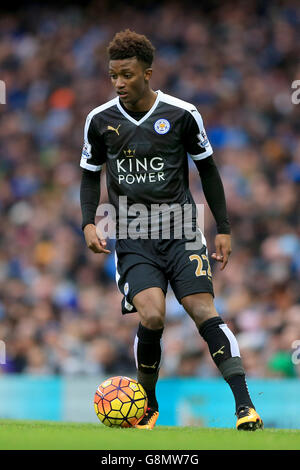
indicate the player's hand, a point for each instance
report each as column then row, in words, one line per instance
column 95, row 242
column 223, row 249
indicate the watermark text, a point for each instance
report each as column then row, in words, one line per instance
column 296, row 94
column 2, row 352
column 159, row 221
column 2, row 92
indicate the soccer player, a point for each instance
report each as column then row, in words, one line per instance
column 143, row 136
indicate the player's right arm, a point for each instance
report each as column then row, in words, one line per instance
column 92, row 158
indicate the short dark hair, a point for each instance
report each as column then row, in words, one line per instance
column 127, row 44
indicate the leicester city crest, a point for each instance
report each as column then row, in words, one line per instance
column 126, row 288
column 162, row 126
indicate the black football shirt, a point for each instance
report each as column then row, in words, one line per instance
column 146, row 159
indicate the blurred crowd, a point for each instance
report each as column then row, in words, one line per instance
column 60, row 309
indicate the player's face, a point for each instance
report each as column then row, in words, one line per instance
column 130, row 79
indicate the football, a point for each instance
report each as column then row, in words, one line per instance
column 120, row 402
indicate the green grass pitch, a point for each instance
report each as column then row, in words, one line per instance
column 43, row 435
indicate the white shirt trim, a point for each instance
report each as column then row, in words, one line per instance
column 151, row 110
column 165, row 98
column 88, row 166
column 202, row 155
column 172, row 100
column 94, row 111
column 84, row 159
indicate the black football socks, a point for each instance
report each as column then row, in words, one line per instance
column 222, row 345
column 225, row 353
column 240, row 391
column 147, row 351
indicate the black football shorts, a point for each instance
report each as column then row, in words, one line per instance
column 141, row 264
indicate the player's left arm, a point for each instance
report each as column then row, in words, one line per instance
column 198, row 146
column 214, row 194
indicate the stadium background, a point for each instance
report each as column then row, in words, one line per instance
column 59, row 305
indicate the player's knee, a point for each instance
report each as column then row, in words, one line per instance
column 153, row 320
column 151, row 311
column 201, row 311
column 203, row 314
column 151, row 316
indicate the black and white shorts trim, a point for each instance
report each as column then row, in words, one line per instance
column 142, row 264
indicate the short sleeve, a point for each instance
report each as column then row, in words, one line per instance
column 94, row 151
column 194, row 136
